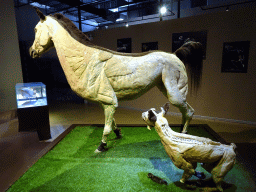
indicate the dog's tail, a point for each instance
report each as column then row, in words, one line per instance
column 191, row 54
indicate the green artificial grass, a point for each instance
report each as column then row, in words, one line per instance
column 72, row 165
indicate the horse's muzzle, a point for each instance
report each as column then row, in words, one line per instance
column 33, row 53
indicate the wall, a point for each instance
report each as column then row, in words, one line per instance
column 222, row 95
column 10, row 65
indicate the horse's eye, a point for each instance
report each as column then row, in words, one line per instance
column 35, row 30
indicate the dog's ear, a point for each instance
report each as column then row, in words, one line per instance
column 151, row 116
column 166, row 107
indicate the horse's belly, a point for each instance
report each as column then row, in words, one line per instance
column 131, row 92
column 132, row 86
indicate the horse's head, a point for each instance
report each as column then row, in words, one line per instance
column 151, row 116
column 43, row 41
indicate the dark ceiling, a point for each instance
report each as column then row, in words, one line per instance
column 91, row 14
column 102, row 12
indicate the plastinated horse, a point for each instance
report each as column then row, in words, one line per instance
column 104, row 76
column 186, row 150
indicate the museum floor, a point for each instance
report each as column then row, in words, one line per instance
column 18, row 151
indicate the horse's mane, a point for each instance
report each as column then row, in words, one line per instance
column 71, row 28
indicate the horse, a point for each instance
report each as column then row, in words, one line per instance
column 186, row 150
column 104, row 76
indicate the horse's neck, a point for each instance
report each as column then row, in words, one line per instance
column 71, row 53
column 67, row 46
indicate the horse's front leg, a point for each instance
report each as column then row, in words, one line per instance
column 109, row 111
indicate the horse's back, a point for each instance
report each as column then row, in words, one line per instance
column 120, row 65
column 131, row 76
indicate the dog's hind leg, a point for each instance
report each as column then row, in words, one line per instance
column 225, row 164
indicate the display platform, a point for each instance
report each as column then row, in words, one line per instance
column 35, row 119
column 72, row 164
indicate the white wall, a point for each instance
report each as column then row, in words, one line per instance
column 10, row 65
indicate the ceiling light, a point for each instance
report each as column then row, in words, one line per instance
column 119, row 19
column 114, row 10
column 163, row 10
column 35, row 4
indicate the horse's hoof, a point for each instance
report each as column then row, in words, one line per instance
column 118, row 133
column 98, row 151
column 101, row 148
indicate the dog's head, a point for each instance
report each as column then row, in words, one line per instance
column 151, row 116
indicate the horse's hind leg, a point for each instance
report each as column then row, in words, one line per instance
column 177, row 97
column 109, row 111
column 187, row 114
column 116, row 130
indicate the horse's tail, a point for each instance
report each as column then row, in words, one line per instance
column 191, row 54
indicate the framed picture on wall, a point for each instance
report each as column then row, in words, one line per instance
column 149, row 46
column 235, row 57
column 178, row 39
column 124, row 45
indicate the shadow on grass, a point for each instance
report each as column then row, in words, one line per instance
column 133, row 143
column 206, row 185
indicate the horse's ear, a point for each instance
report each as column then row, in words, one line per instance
column 40, row 14
column 151, row 116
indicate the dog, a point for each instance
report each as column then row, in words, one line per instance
column 186, row 150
